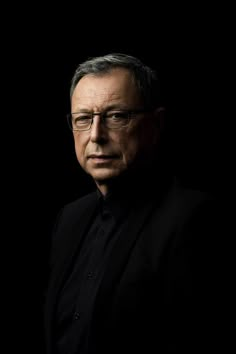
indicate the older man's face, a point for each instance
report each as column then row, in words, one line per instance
column 105, row 153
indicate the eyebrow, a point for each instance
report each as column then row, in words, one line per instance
column 115, row 106
column 107, row 108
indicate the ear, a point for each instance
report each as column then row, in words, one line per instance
column 159, row 115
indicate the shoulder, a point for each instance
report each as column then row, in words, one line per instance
column 75, row 211
column 80, row 204
column 69, row 222
column 184, row 201
column 190, row 212
column 197, row 217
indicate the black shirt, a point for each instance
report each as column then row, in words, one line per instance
column 76, row 301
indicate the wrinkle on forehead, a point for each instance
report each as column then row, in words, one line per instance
column 98, row 100
column 101, row 96
column 116, row 87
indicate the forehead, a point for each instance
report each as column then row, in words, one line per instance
column 115, row 87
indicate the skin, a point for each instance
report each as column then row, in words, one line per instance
column 103, row 153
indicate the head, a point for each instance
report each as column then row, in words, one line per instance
column 110, row 89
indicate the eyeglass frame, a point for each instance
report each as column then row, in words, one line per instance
column 130, row 114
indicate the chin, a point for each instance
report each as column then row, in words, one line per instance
column 104, row 175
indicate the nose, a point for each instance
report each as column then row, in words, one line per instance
column 98, row 132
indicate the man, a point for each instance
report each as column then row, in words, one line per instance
column 130, row 268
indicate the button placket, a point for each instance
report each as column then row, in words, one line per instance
column 76, row 315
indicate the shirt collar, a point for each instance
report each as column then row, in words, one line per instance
column 116, row 205
column 133, row 189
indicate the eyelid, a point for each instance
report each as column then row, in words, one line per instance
column 104, row 113
column 81, row 114
column 117, row 113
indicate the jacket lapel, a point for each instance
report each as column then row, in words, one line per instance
column 66, row 257
column 119, row 257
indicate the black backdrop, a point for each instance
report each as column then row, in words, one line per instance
column 43, row 172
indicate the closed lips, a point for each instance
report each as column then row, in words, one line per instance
column 102, row 156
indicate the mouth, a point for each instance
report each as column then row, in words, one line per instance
column 101, row 158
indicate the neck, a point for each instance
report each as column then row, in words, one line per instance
column 138, row 179
column 103, row 188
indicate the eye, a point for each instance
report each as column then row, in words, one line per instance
column 81, row 119
column 83, row 116
column 117, row 115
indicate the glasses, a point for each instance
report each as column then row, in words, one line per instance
column 82, row 121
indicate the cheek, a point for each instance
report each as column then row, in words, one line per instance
column 138, row 144
column 129, row 147
column 80, row 146
column 148, row 136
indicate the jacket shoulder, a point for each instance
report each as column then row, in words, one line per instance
column 80, row 204
column 69, row 223
column 184, row 199
column 72, row 213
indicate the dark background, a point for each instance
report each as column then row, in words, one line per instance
column 190, row 50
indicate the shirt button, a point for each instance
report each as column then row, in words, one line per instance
column 76, row 315
column 90, row 274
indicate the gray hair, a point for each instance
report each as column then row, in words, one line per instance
column 145, row 78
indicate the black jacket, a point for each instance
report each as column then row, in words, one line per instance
column 158, row 293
